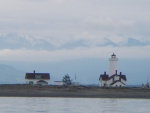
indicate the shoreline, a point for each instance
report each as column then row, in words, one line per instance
column 72, row 92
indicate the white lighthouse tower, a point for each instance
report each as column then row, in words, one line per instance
column 113, row 65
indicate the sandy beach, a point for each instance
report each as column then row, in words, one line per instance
column 72, row 91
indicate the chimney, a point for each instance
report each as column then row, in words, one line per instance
column 34, row 71
column 120, row 73
column 116, row 72
column 105, row 73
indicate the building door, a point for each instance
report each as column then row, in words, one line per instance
column 31, row 82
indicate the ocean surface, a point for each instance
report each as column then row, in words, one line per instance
column 73, row 105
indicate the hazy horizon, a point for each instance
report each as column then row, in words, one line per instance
column 87, row 71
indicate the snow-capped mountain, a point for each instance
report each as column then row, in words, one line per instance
column 103, row 43
column 16, row 41
column 87, row 43
column 107, row 42
column 134, row 42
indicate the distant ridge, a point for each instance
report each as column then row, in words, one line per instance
column 135, row 42
column 107, row 42
column 17, row 41
column 10, row 75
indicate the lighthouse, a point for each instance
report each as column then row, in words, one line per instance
column 113, row 79
column 113, row 65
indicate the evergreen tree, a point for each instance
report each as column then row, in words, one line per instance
column 66, row 80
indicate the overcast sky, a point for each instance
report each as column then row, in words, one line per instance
column 63, row 20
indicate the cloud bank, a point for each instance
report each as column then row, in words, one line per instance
column 62, row 21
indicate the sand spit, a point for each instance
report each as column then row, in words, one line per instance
column 72, row 91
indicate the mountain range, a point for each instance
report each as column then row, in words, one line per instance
column 10, row 75
column 17, row 41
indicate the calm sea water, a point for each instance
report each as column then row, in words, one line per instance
column 73, row 105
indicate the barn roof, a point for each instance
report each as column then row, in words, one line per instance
column 45, row 76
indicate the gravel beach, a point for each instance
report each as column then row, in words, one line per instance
column 72, row 91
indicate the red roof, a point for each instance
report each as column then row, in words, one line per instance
column 104, row 77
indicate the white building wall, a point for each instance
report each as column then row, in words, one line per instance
column 118, row 84
column 103, row 83
column 123, row 81
column 117, row 78
column 109, row 82
column 34, row 81
column 58, row 83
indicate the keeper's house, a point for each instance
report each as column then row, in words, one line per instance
column 37, row 78
column 116, row 80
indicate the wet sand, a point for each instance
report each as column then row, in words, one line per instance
column 72, row 91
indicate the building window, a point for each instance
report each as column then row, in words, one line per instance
column 113, row 79
column 38, row 76
column 120, row 79
column 104, row 84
